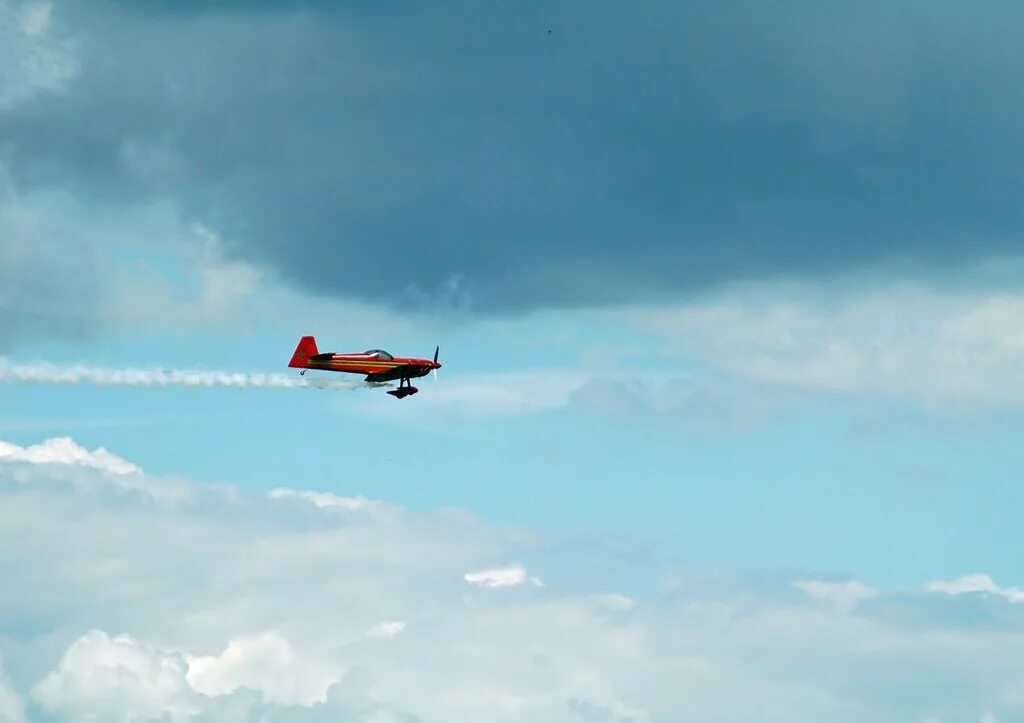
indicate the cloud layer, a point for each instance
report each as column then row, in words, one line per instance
column 911, row 342
column 522, row 157
column 124, row 603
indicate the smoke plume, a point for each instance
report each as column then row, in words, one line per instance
column 52, row 374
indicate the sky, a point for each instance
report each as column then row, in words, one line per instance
column 728, row 299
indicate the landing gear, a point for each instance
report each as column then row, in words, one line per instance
column 405, row 388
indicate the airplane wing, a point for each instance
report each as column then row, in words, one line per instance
column 399, row 372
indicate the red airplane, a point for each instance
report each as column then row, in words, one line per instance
column 376, row 364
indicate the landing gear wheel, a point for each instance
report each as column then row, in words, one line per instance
column 405, row 388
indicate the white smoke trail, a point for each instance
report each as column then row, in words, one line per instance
column 52, row 374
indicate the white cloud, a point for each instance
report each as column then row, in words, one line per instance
column 909, row 342
column 321, row 499
column 500, row 577
column 845, row 595
column 977, row 583
column 63, row 450
column 116, row 678
column 60, row 453
column 267, row 663
column 234, row 607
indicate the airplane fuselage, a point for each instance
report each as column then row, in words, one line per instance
column 376, row 364
column 375, row 369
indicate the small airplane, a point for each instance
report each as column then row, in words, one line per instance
column 376, row 364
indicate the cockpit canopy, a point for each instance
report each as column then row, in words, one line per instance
column 378, row 354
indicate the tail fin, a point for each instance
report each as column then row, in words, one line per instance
column 305, row 349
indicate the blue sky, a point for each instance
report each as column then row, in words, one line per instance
column 729, row 306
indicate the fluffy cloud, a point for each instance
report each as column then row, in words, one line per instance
column 267, row 663
column 119, row 678
column 63, row 450
column 231, row 606
column 100, row 677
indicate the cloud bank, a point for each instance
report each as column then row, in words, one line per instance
column 124, row 603
column 580, row 155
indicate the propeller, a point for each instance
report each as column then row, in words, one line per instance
column 437, row 350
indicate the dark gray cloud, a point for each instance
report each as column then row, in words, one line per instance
column 548, row 154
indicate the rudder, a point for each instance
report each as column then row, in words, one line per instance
column 305, row 350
